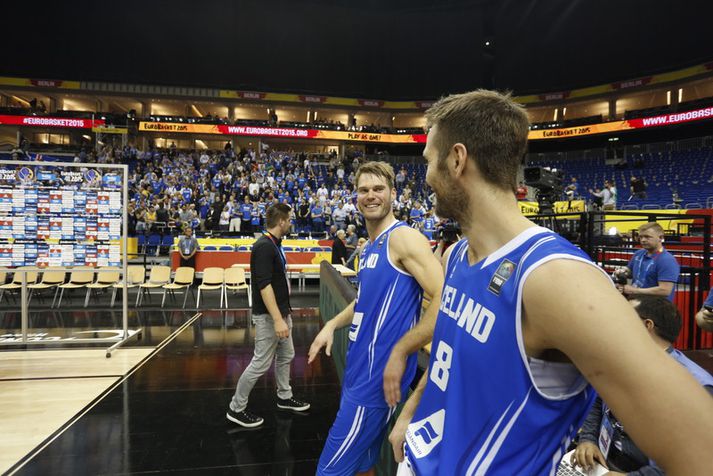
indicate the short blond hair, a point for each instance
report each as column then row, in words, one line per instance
column 379, row 169
column 653, row 226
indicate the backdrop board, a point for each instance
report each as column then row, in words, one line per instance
column 63, row 215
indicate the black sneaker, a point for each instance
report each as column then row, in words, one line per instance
column 244, row 418
column 292, row 404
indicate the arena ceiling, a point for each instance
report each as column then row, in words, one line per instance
column 389, row 49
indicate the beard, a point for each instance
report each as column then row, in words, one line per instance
column 451, row 201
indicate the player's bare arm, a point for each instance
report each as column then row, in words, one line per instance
column 411, row 251
column 572, row 307
column 325, row 338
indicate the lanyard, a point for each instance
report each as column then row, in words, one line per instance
column 640, row 278
column 283, row 258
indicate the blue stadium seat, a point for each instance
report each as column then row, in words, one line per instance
column 153, row 244
column 166, row 243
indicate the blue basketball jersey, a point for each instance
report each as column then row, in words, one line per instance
column 481, row 411
column 388, row 305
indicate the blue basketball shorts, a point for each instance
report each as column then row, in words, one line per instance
column 355, row 440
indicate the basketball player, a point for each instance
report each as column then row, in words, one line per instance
column 526, row 320
column 396, row 267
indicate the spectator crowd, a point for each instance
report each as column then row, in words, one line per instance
column 228, row 191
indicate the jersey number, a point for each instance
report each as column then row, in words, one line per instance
column 441, row 365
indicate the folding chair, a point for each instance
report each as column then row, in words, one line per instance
column 80, row 278
column 212, row 280
column 16, row 284
column 51, row 278
column 159, row 276
column 182, row 280
column 235, row 280
column 105, row 280
column 136, row 277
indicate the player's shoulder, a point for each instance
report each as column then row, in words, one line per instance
column 552, row 278
column 403, row 230
column 404, row 237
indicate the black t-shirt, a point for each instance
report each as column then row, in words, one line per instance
column 304, row 210
column 267, row 267
column 339, row 251
column 162, row 215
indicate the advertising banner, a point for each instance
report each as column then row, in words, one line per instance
column 44, row 121
column 572, row 206
column 260, row 131
column 620, row 126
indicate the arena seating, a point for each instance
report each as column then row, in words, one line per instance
column 688, row 173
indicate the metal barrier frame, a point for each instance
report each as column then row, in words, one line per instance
column 24, row 305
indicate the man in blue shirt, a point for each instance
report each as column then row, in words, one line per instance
column 429, row 225
column 603, row 438
column 654, row 271
column 317, row 218
column 246, row 209
column 416, row 215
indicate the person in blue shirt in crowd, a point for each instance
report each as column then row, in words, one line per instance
column 429, row 225
column 317, row 218
column 603, row 439
column 255, row 217
column 416, row 215
column 246, row 209
column 653, row 270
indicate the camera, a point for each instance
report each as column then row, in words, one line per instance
column 543, row 178
column 549, row 185
column 620, row 276
column 448, row 231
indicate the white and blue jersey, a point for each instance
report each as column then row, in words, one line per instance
column 487, row 408
column 388, row 305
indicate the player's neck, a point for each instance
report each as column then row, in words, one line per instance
column 375, row 227
column 494, row 221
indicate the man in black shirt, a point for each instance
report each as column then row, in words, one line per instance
column 162, row 215
column 339, row 249
column 271, row 317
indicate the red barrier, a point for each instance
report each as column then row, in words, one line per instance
column 225, row 259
